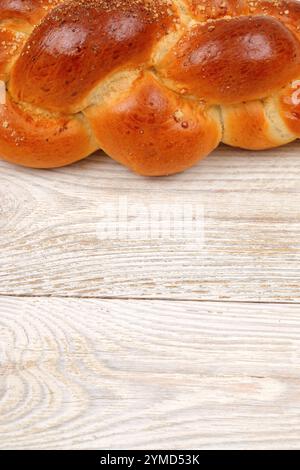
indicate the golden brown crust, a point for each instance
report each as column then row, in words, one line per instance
column 78, row 45
column 30, row 11
column 247, row 126
column 289, row 102
column 11, row 44
column 42, row 141
column 231, row 61
column 203, row 10
column 152, row 130
column 156, row 83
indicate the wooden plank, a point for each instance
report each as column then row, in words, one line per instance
column 85, row 374
column 50, row 245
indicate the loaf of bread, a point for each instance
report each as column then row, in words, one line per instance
column 156, row 84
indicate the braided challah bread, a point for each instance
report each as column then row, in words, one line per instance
column 156, row 84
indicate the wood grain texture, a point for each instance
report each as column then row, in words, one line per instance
column 49, row 219
column 85, row 374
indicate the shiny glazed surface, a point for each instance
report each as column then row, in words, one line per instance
column 157, row 84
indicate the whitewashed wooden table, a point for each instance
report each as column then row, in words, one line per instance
column 151, row 343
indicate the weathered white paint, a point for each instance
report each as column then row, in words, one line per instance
column 148, row 374
column 49, row 243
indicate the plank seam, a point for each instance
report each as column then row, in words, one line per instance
column 147, row 299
